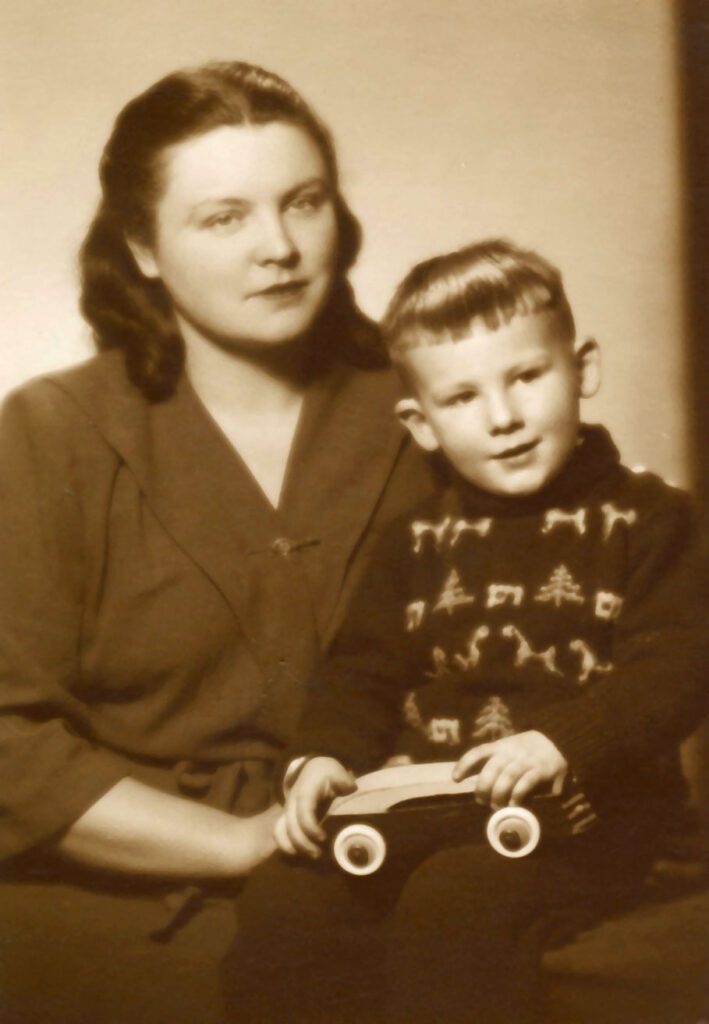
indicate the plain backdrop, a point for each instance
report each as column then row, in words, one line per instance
column 553, row 122
column 557, row 123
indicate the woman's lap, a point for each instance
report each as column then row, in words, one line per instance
column 76, row 955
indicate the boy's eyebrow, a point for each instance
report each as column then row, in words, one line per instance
column 533, row 357
column 453, row 387
column 538, row 357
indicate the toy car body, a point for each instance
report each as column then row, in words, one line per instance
column 412, row 809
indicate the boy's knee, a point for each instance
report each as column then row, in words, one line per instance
column 471, row 883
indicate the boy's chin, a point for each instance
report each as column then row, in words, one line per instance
column 516, row 486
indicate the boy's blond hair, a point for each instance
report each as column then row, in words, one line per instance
column 492, row 281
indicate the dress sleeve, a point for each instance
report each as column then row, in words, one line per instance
column 353, row 710
column 657, row 693
column 49, row 771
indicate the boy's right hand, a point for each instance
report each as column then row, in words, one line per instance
column 321, row 779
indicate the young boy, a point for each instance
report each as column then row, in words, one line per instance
column 539, row 620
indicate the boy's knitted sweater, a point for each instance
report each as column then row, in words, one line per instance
column 578, row 611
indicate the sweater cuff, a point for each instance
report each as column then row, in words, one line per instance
column 292, row 771
column 289, row 770
column 582, row 733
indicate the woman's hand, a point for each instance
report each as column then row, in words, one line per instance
column 514, row 767
column 320, row 780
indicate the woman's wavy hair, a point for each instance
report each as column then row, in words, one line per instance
column 134, row 313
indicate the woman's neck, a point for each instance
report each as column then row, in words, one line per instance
column 255, row 398
column 254, row 381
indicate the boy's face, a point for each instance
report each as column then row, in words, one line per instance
column 502, row 405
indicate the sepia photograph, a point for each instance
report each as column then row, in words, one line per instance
column 353, row 538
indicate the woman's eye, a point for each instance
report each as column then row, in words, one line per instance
column 307, row 202
column 224, row 221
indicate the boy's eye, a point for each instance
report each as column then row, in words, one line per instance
column 527, row 376
column 461, row 398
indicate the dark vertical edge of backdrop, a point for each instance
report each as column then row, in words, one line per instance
column 692, row 24
column 693, row 39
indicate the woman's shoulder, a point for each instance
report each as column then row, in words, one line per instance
column 72, row 409
column 379, row 385
column 96, row 380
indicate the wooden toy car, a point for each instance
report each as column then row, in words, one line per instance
column 413, row 808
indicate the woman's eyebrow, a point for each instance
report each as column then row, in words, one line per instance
column 307, row 183
column 218, row 200
column 221, row 201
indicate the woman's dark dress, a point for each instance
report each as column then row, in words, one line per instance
column 159, row 619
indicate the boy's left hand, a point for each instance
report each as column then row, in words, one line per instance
column 514, row 767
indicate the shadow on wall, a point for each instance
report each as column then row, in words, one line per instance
column 694, row 60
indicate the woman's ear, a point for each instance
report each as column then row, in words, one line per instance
column 143, row 256
column 588, row 365
column 412, row 416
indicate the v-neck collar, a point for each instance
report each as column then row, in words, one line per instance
column 344, row 450
column 347, row 447
column 254, row 493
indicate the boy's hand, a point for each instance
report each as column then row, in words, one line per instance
column 514, row 767
column 320, row 781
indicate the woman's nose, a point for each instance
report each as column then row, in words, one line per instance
column 275, row 243
column 502, row 413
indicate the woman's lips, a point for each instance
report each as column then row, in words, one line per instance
column 283, row 288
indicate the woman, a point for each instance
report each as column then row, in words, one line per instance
column 184, row 517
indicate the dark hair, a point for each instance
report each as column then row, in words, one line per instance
column 134, row 313
column 491, row 281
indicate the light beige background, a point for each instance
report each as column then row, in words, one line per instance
column 551, row 121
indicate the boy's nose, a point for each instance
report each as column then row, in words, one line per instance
column 502, row 414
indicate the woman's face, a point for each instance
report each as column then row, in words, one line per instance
column 245, row 234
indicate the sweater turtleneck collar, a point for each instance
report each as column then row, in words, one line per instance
column 594, row 457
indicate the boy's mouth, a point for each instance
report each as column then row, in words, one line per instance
column 519, row 449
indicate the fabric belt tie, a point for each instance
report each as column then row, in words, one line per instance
column 242, row 788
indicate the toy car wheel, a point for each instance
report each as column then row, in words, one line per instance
column 359, row 849
column 513, row 831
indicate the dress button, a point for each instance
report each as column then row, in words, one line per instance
column 282, row 546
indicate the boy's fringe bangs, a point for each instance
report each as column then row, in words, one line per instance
column 432, row 319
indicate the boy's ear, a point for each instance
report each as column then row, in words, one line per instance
column 588, row 365
column 143, row 256
column 413, row 418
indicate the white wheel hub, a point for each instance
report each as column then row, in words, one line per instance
column 359, row 849
column 513, row 831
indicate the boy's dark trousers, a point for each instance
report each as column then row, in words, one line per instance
column 455, row 937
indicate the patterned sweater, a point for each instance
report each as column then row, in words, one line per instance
column 579, row 611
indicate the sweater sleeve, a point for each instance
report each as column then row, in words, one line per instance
column 49, row 771
column 353, row 711
column 657, row 693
